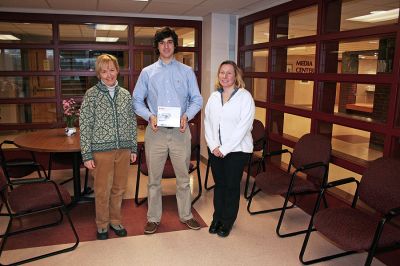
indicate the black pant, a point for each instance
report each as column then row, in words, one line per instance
column 227, row 173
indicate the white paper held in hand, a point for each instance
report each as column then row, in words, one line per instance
column 168, row 116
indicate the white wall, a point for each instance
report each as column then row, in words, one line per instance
column 218, row 44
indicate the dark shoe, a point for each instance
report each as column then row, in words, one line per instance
column 224, row 231
column 192, row 224
column 102, row 234
column 119, row 230
column 214, row 227
column 151, row 227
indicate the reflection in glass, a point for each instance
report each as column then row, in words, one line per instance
column 94, row 33
column 77, row 85
column 256, row 61
column 13, row 32
column 369, row 56
column 86, row 59
column 261, row 31
column 145, row 36
column 257, row 87
column 28, row 113
column 26, row 60
column 357, row 14
column 188, row 58
column 25, row 87
column 352, row 143
column 368, row 102
column 303, row 22
column 143, row 59
column 296, row 93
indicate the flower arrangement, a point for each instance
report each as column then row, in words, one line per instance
column 71, row 112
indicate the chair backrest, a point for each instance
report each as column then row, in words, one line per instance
column 194, row 133
column 380, row 184
column 312, row 148
column 258, row 134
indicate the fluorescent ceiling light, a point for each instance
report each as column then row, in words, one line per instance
column 107, row 39
column 140, row 0
column 111, row 27
column 377, row 16
column 8, row 37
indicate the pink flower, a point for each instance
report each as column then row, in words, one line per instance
column 71, row 111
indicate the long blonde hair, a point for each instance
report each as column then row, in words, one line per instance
column 239, row 83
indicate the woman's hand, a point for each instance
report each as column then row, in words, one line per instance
column 133, row 157
column 217, row 153
column 89, row 164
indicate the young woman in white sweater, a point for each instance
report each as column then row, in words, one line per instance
column 229, row 116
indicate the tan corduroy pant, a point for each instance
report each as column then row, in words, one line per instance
column 110, row 177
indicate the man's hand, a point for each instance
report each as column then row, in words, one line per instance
column 89, row 164
column 153, row 123
column 184, row 121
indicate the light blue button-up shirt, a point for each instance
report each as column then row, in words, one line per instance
column 172, row 85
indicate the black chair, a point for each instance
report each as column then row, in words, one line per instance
column 310, row 157
column 258, row 156
column 168, row 169
column 356, row 230
column 33, row 197
column 19, row 167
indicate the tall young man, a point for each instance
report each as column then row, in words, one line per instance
column 164, row 89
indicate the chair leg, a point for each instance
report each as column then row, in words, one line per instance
column 199, row 184
column 246, row 186
column 137, row 201
column 206, row 179
column 252, row 194
column 61, row 209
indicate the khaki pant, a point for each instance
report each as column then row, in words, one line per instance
column 158, row 145
column 110, row 177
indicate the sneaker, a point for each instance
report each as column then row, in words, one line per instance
column 119, row 230
column 151, row 227
column 192, row 224
column 102, row 234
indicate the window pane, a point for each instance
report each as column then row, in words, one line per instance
column 296, row 93
column 94, row 33
column 188, row 58
column 369, row 56
column 298, row 59
column 303, row 22
column 257, row 87
column 261, row 31
column 77, row 85
column 143, row 59
column 357, row 14
column 26, row 60
column 12, row 32
column 86, row 59
column 368, row 102
column 299, row 23
column 145, row 36
column 289, row 125
column 28, row 113
column 337, row 172
column 353, row 144
column 256, row 61
column 25, row 87
column 260, row 114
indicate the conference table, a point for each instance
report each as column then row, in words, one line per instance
column 55, row 141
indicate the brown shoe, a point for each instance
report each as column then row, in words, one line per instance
column 192, row 224
column 150, row 228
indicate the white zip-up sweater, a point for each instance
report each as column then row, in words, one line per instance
column 229, row 126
